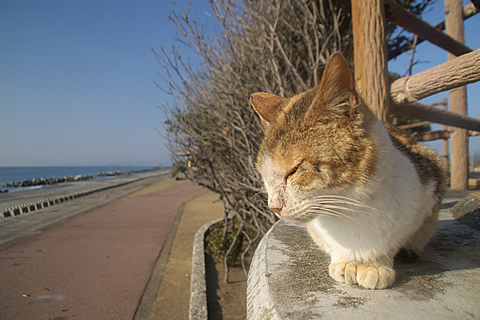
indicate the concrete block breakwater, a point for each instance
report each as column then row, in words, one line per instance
column 111, row 173
column 45, row 181
column 81, row 177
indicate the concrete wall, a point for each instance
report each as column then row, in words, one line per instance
column 289, row 279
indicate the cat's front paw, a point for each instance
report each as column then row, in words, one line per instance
column 371, row 277
column 367, row 276
column 342, row 272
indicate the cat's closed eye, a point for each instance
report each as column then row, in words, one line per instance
column 292, row 172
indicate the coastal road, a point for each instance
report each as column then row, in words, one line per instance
column 96, row 264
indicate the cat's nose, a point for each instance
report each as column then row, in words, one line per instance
column 275, row 205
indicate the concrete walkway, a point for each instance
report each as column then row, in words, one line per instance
column 97, row 264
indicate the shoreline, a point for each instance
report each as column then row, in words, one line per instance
column 41, row 181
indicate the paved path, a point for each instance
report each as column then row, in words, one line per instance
column 96, row 265
column 172, row 299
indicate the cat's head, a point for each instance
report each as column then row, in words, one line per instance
column 316, row 143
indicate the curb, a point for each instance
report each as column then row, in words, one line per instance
column 198, row 285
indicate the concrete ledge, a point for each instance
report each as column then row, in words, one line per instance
column 289, row 279
column 198, row 286
column 468, row 204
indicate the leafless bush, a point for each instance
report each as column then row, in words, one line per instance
column 275, row 46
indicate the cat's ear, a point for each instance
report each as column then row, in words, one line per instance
column 267, row 106
column 337, row 89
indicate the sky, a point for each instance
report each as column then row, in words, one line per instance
column 77, row 79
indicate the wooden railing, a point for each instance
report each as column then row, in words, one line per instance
column 371, row 73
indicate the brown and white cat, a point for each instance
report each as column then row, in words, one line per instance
column 363, row 189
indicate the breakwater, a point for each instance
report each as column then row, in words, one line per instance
column 72, row 177
column 45, row 181
column 17, row 175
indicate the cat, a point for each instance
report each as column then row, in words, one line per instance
column 364, row 190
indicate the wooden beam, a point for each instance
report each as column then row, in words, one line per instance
column 468, row 11
column 452, row 74
column 370, row 55
column 414, row 125
column 445, row 143
column 423, row 112
column 431, row 135
column 410, row 22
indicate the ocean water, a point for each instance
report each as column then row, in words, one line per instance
column 15, row 174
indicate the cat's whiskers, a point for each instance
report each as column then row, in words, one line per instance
column 339, row 206
column 329, row 205
column 344, row 208
column 324, row 211
column 343, row 201
column 298, row 209
column 335, row 214
column 258, row 193
column 342, row 198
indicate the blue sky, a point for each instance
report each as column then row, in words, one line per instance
column 77, row 80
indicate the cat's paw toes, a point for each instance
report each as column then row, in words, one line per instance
column 337, row 271
column 367, row 276
column 343, row 272
column 375, row 277
column 351, row 273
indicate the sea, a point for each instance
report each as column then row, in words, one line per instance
column 16, row 174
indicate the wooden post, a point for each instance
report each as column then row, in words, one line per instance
column 370, row 55
column 458, row 102
column 445, row 142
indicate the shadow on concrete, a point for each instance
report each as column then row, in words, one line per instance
column 213, row 305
